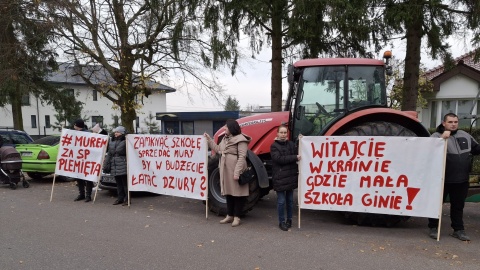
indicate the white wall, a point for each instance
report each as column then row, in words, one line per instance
column 156, row 102
column 458, row 87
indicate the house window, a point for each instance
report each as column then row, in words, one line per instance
column 462, row 108
column 433, row 115
column 69, row 92
column 47, row 121
column 33, row 119
column 187, row 128
column 97, row 120
column 171, row 127
column 116, row 120
column 94, row 95
column 26, row 100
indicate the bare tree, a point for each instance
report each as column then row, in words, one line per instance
column 124, row 47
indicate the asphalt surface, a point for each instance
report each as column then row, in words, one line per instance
column 163, row 232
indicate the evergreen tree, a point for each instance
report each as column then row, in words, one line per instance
column 425, row 87
column 337, row 28
column 231, row 104
column 152, row 124
column 67, row 113
column 432, row 21
column 25, row 57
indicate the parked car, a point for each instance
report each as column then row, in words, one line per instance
column 40, row 156
column 14, row 137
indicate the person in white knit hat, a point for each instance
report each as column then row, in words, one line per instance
column 116, row 164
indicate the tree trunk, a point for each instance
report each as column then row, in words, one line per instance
column 128, row 114
column 276, row 79
column 16, row 102
column 412, row 62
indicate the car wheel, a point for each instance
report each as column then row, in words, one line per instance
column 35, row 175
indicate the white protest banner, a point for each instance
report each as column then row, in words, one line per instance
column 385, row 175
column 81, row 154
column 168, row 164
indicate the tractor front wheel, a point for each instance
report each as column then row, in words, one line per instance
column 217, row 202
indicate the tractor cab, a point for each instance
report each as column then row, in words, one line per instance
column 322, row 91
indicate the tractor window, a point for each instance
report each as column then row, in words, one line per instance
column 321, row 99
column 365, row 84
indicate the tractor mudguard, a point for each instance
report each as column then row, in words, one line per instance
column 260, row 170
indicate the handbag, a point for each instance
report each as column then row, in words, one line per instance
column 247, row 176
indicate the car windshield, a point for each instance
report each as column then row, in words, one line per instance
column 49, row 140
column 15, row 138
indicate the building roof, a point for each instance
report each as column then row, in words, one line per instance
column 466, row 59
column 197, row 116
column 68, row 73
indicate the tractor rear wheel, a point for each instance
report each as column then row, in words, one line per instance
column 218, row 204
column 380, row 128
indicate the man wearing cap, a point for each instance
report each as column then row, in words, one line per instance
column 84, row 187
column 116, row 164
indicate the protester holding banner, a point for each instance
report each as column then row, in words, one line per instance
column 284, row 175
column 116, row 164
column 233, row 152
column 84, row 186
column 460, row 145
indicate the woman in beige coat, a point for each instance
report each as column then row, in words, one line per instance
column 233, row 152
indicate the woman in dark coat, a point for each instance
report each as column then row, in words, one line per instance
column 284, row 175
column 116, row 164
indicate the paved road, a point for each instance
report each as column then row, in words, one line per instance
column 162, row 232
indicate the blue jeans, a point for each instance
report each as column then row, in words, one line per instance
column 284, row 197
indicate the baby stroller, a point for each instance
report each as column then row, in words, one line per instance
column 11, row 167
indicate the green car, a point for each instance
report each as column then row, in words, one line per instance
column 40, row 156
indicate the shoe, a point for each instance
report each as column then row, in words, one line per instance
column 460, row 234
column 117, row 202
column 283, row 226
column 227, row 219
column 125, row 203
column 236, row 221
column 79, row 198
column 433, row 233
column 88, row 199
column 289, row 223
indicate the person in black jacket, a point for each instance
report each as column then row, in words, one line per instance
column 284, row 175
column 84, row 186
column 116, row 164
column 460, row 146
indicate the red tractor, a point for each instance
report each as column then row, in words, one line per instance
column 329, row 96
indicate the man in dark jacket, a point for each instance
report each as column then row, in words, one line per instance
column 460, row 145
column 84, row 186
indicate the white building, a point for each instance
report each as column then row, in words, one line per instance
column 38, row 117
column 456, row 90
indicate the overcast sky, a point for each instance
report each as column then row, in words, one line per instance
column 251, row 84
